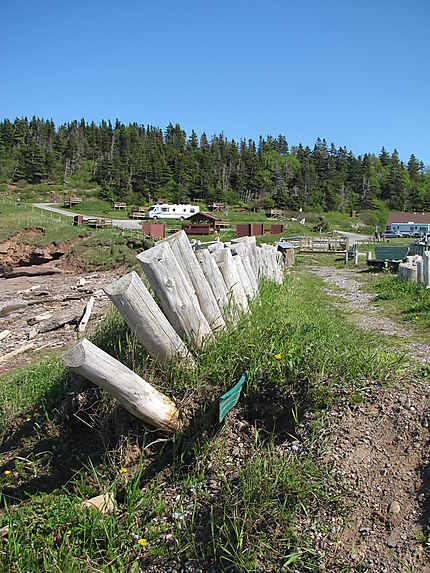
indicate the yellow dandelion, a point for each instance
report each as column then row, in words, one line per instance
column 416, row 318
column 7, row 472
column 123, row 471
column 142, row 542
column 277, row 357
column 69, row 532
column 251, row 344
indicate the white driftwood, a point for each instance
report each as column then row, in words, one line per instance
column 251, row 245
column 40, row 317
column 237, row 295
column 86, row 316
column 243, row 276
column 4, row 334
column 135, row 394
column 214, row 277
column 426, row 268
column 244, row 252
column 420, row 274
column 174, row 292
column 16, row 352
column 145, row 318
column 181, row 247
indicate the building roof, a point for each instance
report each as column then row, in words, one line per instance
column 401, row 217
column 203, row 215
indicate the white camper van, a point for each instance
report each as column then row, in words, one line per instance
column 166, row 211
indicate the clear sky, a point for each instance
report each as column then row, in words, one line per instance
column 353, row 71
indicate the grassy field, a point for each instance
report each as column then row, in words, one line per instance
column 231, row 497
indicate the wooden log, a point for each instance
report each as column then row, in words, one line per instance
column 243, row 276
column 420, row 273
column 215, row 279
column 174, row 292
column 16, row 352
column 135, row 394
column 33, row 271
column 145, row 319
column 426, row 268
column 242, row 250
column 181, row 247
column 250, row 244
column 237, row 295
column 39, row 318
column 86, row 316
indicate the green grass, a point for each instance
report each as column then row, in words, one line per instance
column 404, row 300
column 300, row 355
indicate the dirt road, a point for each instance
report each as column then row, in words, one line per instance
column 379, row 449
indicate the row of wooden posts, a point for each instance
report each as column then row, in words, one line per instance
column 199, row 293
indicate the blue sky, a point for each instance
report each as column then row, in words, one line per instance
column 354, row 72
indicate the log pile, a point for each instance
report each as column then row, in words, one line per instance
column 197, row 293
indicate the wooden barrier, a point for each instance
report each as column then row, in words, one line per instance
column 145, row 319
column 175, row 293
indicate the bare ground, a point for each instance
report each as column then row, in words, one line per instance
column 380, row 451
column 55, row 294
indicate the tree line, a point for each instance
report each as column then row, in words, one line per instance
column 135, row 163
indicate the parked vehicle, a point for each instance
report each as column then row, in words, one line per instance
column 391, row 235
column 166, row 211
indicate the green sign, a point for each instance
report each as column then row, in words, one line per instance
column 230, row 398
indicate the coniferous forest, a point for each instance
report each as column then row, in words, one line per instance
column 136, row 162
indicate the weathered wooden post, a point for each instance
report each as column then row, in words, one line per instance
column 237, row 295
column 133, row 392
column 214, row 277
column 369, row 256
column 420, row 273
column 243, row 276
column 356, row 257
column 174, row 292
column 145, row 318
column 243, row 251
column 426, row 268
column 181, row 247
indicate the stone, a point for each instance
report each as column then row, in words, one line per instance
column 103, row 503
column 394, row 507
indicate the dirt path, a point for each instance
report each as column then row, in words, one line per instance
column 367, row 315
column 380, row 452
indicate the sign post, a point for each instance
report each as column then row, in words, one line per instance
column 228, row 400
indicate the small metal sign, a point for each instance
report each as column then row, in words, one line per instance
column 230, row 398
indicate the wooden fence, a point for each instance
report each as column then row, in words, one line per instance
column 199, row 293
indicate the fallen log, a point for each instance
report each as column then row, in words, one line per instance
column 34, row 271
column 135, row 394
column 145, row 318
column 39, row 318
column 86, row 316
column 175, row 293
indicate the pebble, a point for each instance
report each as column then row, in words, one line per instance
column 394, row 507
column 392, row 539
